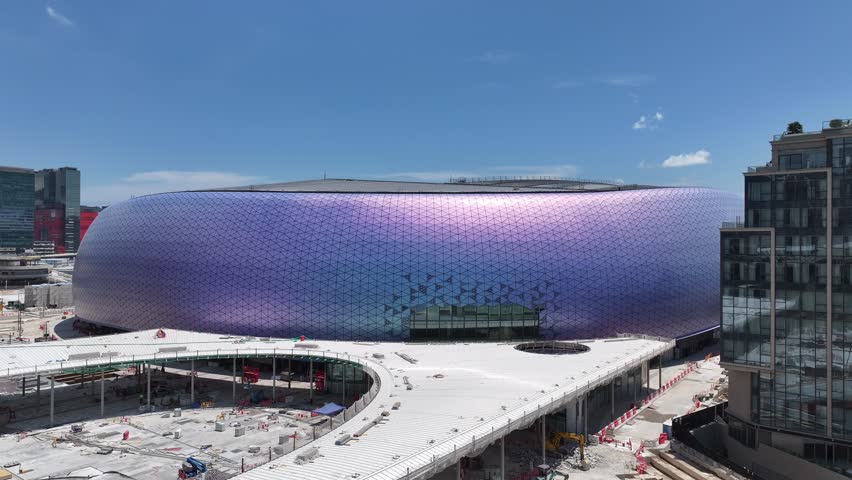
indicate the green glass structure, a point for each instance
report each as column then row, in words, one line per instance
column 16, row 208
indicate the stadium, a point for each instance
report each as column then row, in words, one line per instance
column 408, row 261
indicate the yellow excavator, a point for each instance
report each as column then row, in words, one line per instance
column 555, row 441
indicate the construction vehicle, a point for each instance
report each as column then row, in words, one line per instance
column 191, row 467
column 555, row 441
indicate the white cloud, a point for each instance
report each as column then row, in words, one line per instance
column 651, row 122
column 628, row 80
column 497, row 57
column 567, row 84
column 700, row 157
column 58, row 17
column 562, row 171
column 144, row 183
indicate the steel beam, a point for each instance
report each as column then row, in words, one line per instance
column 148, row 373
column 51, row 400
column 191, row 382
column 102, row 393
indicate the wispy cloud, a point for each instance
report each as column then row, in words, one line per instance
column 700, row 157
column 562, row 170
column 58, row 17
column 144, row 183
column 497, row 57
column 628, row 80
column 564, row 84
column 650, row 122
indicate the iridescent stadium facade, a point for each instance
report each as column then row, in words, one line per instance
column 428, row 264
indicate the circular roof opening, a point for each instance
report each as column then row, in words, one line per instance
column 552, row 348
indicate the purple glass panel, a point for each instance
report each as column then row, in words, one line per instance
column 352, row 266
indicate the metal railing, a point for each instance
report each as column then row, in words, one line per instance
column 837, row 123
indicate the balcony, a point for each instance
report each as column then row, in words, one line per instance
column 735, row 224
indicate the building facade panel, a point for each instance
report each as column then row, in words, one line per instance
column 382, row 266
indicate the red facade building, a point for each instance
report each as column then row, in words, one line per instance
column 49, row 225
column 87, row 216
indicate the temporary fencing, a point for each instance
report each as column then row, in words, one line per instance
column 618, row 422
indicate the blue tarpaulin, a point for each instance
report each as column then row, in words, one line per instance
column 329, row 409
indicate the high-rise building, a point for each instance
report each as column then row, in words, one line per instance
column 786, row 327
column 57, row 199
column 16, row 208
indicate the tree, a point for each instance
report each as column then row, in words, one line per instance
column 794, row 127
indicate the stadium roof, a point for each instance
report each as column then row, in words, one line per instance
column 458, row 185
column 462, row 397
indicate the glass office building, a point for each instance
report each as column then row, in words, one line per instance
column 16, row 208
column 786, row 280
column 57, row 193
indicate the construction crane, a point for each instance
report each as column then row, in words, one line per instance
column 555, row 441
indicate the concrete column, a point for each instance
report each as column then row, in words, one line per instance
column 102, row 393
column 289, row 373
column 38, row 391
column 344, row 385
column 51, row 400
column 568, row 415
column 503, row 458
column 543, row 440
column 660, row 372
column 191, row 382
column 274, row 361
column 458, row 470
column 234, row 384
column 612, row 399
column 148, row 373
column 586, row 415
column 23, row 386
column 311, row 375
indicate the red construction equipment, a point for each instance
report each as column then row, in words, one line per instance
column 251, row 374
column 319, row 380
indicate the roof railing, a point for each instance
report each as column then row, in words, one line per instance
column 837, row 123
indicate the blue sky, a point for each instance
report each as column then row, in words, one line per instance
column 163, row 95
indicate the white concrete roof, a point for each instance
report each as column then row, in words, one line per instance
column 487, row 389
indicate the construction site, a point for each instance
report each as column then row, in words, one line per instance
column 175, row 404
